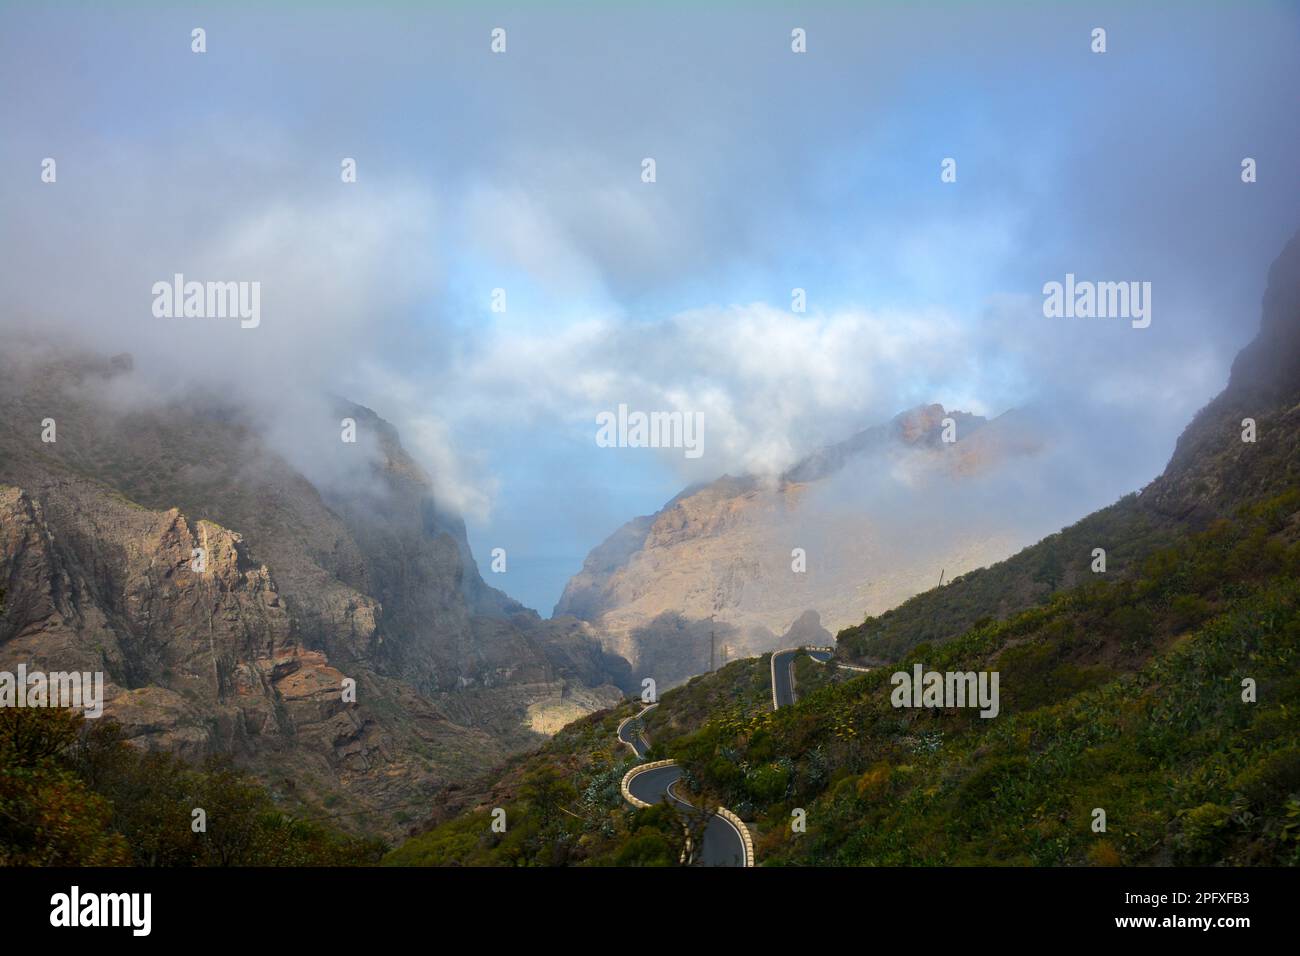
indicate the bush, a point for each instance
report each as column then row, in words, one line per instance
column 768, row 783
column 647, row 848
column 1205, row 831
column 1270, row 780
column 73, row 793
column 1103, row 853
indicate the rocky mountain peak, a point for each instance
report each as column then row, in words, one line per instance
column 715, row 563
column 1271, row 362
column 919, row 427
column 306, row 579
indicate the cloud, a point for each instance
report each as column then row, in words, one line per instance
column 775, row 171
column 341, row 277
column 768, row 382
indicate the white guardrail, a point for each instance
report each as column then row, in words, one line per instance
column 737, row 824
column 772, row 681
column 745, row 838
column 636, row 771
column 831, row 650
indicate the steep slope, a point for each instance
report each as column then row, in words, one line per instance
column 1212, row 472
column 1163, row 692
column 357, row 574
column 715, row 574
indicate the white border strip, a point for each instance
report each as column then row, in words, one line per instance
column 635, row 771
column 831, row 650
column 746, row 840
column 622, row 723
column 775, row 654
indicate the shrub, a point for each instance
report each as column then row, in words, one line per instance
column 1205, row 831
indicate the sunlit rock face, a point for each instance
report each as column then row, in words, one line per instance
column 725, row 569
column 304, row 586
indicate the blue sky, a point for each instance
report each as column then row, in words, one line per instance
column 775, row 170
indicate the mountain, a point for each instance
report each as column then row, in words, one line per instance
column 1211, row 473
column 714, row 571
column 1148, row 714
column 356, row 572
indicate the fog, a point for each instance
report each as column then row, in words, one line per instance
column 521, row 171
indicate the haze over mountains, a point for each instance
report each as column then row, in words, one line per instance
column 1162, row 691
column 328, row 561
column 717, row 572
column 457, row 257
column 362, row 576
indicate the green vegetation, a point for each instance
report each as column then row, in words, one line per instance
column 1023, row 581
column 811, row 675
column 1124, row 694
column 563, row 807
column 741, row 688
column 74, row 793
column 563, row 803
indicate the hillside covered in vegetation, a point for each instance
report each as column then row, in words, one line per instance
column 1161, row 695
column 74, row 793
column 1123, row 694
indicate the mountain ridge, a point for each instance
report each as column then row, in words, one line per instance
column 714, row 571
column 1162, row 692
column 358, row 574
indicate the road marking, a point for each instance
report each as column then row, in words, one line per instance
column 625, row 786
column 776, row 704
column 641, row 734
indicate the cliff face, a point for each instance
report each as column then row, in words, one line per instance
column 1107, row 670
column 1212, row 468
column 360, row 575
column 1212, row 473
column 726, row 551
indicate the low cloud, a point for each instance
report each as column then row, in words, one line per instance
column 775, row 171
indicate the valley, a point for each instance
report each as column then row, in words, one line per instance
column 1147, row 713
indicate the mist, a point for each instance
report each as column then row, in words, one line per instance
column 775, row 172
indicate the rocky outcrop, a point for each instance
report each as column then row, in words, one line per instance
column 725, row 568
column 1213, row 468
column 356, row 573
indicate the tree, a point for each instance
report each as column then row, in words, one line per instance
column 547, row 792
column 48, row 817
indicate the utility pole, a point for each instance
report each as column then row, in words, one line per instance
column 712, row 643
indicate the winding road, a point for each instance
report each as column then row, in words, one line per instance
column 727, row 841
column 632, row 732
column 783, row 690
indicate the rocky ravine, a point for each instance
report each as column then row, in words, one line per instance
column 361, row 576
column 719, row 557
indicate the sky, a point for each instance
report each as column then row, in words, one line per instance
column 775, row 170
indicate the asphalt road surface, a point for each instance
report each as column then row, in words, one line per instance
column 783, row 673
column 722, row 845
column 632, row 733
